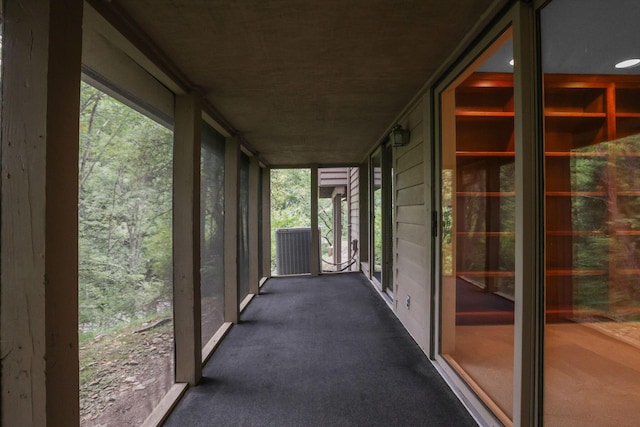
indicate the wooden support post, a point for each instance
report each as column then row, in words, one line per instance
column 186, row 238
column 337, row 229
column 266, row 222
column 231, row 229
column 42, row 46
column 348, row 217
column 254, row 245
column 314, row 252
column 336, row 199
column 365, row 211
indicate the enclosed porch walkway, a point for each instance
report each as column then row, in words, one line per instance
column 319, row 351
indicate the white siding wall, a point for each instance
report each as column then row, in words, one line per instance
column 412, row 230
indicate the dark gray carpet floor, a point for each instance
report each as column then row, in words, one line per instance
column 322, row 351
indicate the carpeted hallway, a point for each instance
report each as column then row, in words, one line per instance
column 321, row 351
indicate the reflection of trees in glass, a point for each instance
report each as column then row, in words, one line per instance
column 125, row 179
column 471, row 247
column 507, row 252
column 447, row 222
column 610, row 172
column 486, row 222
column 471, row 251
column 622, row 188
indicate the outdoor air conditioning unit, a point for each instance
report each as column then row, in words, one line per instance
column 292, row 250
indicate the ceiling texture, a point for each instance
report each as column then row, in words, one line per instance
column 304, row 81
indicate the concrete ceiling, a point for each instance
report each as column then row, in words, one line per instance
column 307, row 82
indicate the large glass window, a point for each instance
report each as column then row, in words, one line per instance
column 125, row 262
column 478, row 222
column 592, row 220
column 212, row 232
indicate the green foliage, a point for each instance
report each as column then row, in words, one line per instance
column 377, row 229
column 604, row 178
column 290, row 202
column 124, row 228
column 212, row 208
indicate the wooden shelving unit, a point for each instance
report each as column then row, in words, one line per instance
column 591, row 243
column 581, row 220
column 485, row 188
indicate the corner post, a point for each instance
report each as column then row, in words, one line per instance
column 39, row 245
column 266, row 223
column 364, row 213
column 314, row 252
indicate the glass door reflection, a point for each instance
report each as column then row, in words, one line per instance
column 478, row 222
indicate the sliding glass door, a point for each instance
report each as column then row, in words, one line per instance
column 592, row 199
column 478, row 227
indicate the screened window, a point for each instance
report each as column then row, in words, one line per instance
column 212, row 232
column 243, row 237
column 125, row 261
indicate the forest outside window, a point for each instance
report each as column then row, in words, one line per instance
column 290, row 210
column 125, row 261
column 212, row 232
column 243, row 229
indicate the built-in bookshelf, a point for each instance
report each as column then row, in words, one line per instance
column 592, row 241
column 485, row 191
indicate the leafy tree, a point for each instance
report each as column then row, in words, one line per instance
column 290, row 202
column 125, row 196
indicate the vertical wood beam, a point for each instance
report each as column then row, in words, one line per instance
column 186, row 238
column 348, row 217
column 314, row 252
column 266, row 222
column 39, row 263
column 337, row 229
column 231, row 229
column 365, row 212
column 529, row 266
column 254, row 245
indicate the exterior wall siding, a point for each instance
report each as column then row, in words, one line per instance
column 411, row 238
